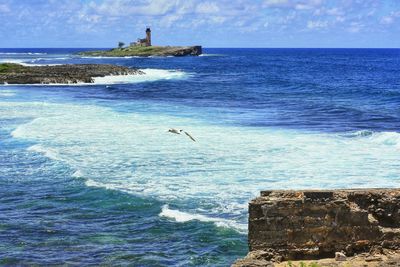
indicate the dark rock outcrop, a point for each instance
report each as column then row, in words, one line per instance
column 62, row 74
column 312, row 225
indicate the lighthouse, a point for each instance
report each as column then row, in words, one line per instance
column 148, row 36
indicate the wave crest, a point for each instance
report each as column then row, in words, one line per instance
column 148, row 76
column 387, row 138
column 361, row 133
column 384, row 138
column 21, row 53
column 25, row 62
column 180, row 216
column 47, row 152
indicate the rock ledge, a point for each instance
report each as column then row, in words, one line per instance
column 312, row 225
column 11, row 73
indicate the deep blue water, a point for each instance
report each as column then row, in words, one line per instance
column 89, row 175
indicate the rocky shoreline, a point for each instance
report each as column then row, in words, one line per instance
column 11, row 73
column 147, row 51
column 358, row 227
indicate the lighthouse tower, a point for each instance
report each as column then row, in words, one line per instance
column 148, row 36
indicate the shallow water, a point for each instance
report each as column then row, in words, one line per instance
column 89, row 174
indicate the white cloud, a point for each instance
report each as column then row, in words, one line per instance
column 4, row 8
column 127, row 7
column 276, row 3
column 207, row 8
column 390, row 19
column 268, row 17
column 295, row 4
column 317, row 24
column 302, row 7
column 334, row 11
column 170, row 20
column 355, row 27
column 340, row 19
column 218, row 19
column 387, row 20
column 90, row 18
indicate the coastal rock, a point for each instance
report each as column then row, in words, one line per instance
column 11, row 73
column 314, row 224
column 340, row 256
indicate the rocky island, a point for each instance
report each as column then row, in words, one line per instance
column 147, row 51
column 144, row 48
column 336, row 228
column 11, row 73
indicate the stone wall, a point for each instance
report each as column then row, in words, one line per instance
column 292, row 225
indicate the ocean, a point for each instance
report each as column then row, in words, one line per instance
column 89, row 174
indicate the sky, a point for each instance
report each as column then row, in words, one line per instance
column 222, row 23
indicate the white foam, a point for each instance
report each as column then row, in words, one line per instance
column 7, row 93
column 78, row 174
column 361, row 133
column 21, row 53
column 149, row 76
column 24, row 62
column 218, row 174
column 17, row 61
column 110, row 186
column 49, row 59
column 181, row 217
column 384, row 138
column 387, row 138
column 211, row 55
column 48, row 152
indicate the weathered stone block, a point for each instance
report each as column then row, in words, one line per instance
column 315, row 224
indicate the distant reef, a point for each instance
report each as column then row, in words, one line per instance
column 11, row 73
column 147, row 51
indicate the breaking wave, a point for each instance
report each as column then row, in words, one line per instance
column 16, row 61
column 47, row 152
column 25, row 62
column 180, row 216
column 362, row 133
column 211, row 55
column 6, row 93
column 384, row 138
column 149, row 76
column 387, row 138
column 21, row 53
column 49, row 59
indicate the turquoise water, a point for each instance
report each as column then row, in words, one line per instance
column 89, row 174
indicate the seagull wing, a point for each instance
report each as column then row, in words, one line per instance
column 191, row 137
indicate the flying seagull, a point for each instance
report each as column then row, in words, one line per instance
column 175, row 131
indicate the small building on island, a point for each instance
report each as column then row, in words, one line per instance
column 145, row 41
